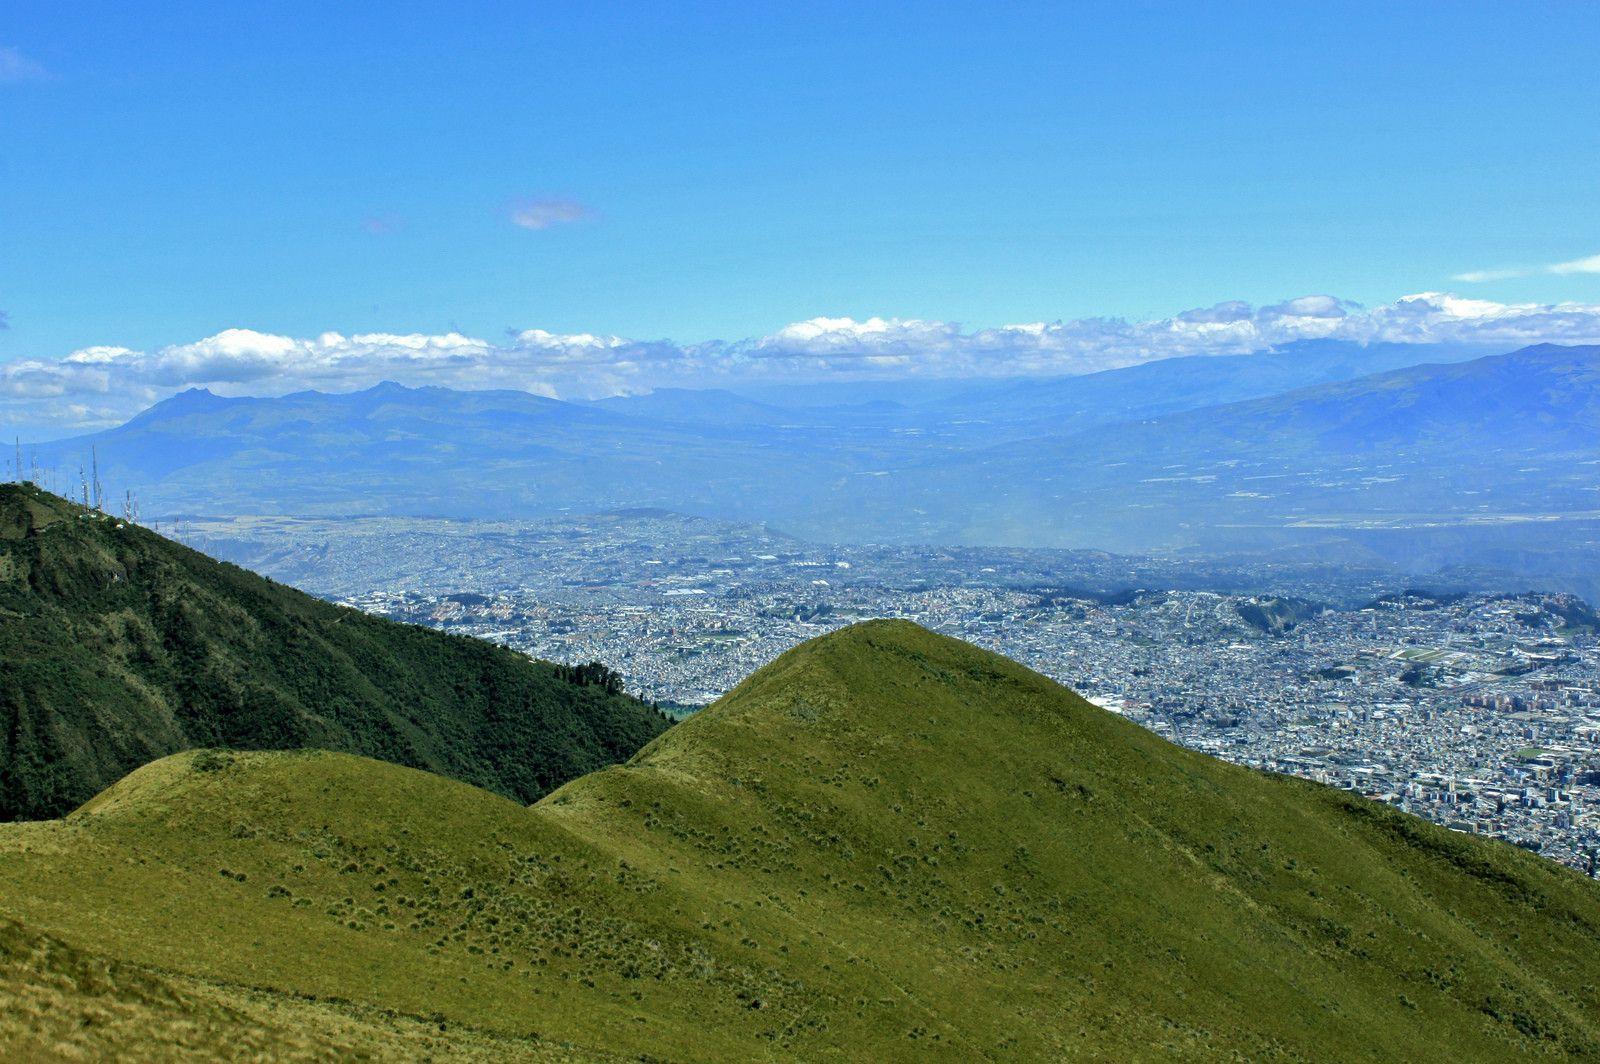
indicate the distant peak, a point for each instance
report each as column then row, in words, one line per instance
column 192, row 397
column 188, row 401
column 1581, row 350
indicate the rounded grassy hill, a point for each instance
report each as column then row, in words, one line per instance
column 885, row 845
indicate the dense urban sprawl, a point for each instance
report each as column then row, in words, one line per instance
column 1479, row 711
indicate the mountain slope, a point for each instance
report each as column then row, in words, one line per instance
column 714, row 406
column 885, row 845
column 1032, row 408
column 1026, row 407
column 118, row 647
column 1495, row 441
column 1526, row 401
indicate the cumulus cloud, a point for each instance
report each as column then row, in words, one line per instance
column 104, row 384
column 15, row 67
column 875, row 341
column 548, row 213
column 1591, row 264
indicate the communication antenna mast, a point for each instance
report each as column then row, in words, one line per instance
column 18, row 441
column 94, row 465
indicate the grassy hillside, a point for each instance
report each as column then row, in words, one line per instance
column 63, row 1003
column 118, row 647
column 885, row 845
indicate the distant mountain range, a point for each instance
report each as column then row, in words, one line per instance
column 1488, row 461
column 1501, row 438
column 118, row 647
column 990, row 411
column 886, row 845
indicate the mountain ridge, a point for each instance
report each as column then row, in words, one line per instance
column 1475, row 464
column 118, row 646
column 884, row 844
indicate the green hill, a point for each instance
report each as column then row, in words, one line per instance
column 885, row 845
column 118, row 647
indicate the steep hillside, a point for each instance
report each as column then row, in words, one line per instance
column 118, row 647
column 885, row 845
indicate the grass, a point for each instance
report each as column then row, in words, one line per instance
column 64, row 1004
column 885, row 845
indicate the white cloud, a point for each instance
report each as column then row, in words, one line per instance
column 847, row 338
column 103, row 384
column 547, row 213
column 1480, row 276
column 1590, row 264
column 16, row 67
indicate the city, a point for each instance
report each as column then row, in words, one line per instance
column 1479, row 711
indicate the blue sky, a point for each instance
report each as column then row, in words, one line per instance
column 172, row 170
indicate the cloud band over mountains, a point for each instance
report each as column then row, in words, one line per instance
column 100, row 385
